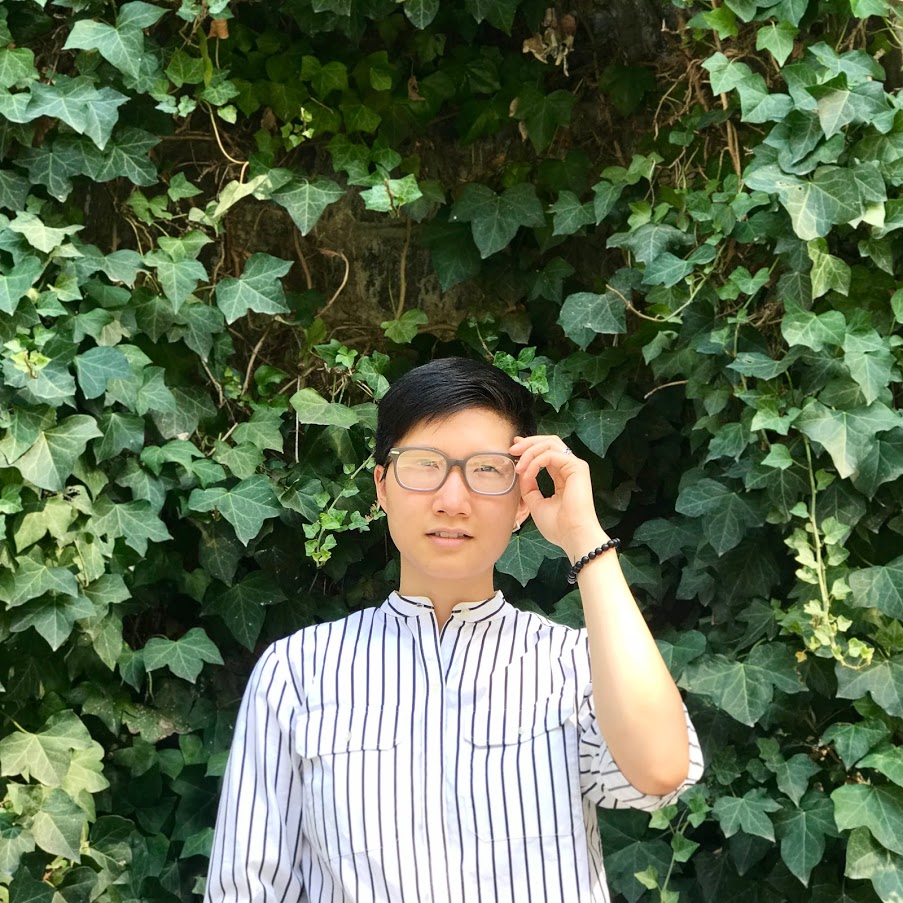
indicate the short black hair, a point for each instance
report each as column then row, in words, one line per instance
column 444, row 387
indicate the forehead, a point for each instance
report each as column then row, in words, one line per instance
column 464, row 432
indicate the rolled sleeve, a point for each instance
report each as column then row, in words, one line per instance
column 258, row 826
column 602, row 781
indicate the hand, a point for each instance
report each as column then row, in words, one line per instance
column 568, row 517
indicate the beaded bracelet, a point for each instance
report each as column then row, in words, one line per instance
column 586, row 559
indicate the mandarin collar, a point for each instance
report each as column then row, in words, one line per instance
column 420, row 606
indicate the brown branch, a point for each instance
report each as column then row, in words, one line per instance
column 254, row 353
column 402, row 270
column 327, row 253
column 303, row 260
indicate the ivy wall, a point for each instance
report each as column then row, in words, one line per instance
column 690, row 256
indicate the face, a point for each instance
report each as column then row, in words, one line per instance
column 450, row 538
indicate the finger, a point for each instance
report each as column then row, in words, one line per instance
column 559, row 465
column 522, row 443
column 548, row 444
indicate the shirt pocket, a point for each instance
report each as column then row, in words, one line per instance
column 521, row 773
column 348, row 756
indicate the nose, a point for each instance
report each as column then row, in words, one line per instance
column 453, row 496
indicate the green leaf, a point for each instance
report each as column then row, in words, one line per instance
column 879, row 587
column 242, row 607
column 44, row 756
column 727, row 515
column 667, row 538
column 99, row 365
column 649, row 241
column 359, row 117
column 25, row 889
column 246, row 506
column 802, row 833
column 421, row 12
column 53, row 618
column 13, row 189
column 744, row 689
column 880, row 809
column 391, row 194
column 839, row 104
column 777, row 38
column 58, row 824
column 853, row 741
column 667, row 270
column 119, row 432
column 848, row 435
column 828, row 273
column 177, row 278
column 50, row 460
column 597, row 427
column 126, row 156
column 136, row 522
column 79, row 104
column 677, row 655
column 499, row 13
column 584, row 315
column 793, row 775
column 526, row 551
column 868, row 860
column 570, row 214
column 305, row 201
column 138, row 14
column 122, row 47
column 405, row 329
column 17, row 67
column 311, row 407
column 748, row 813
column 258, row 289
column 888, row 759
column 802, row 327
column 542, row 114
column 494, row 219
column 37, row 234
column 185, row 657
column 15, row 841
column 606, row 196
column 16, row 283
column 883, row 679
column 882, row 464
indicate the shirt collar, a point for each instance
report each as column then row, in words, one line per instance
column 420, row 606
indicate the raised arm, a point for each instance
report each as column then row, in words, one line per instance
column 638, row 706
column 258, row 826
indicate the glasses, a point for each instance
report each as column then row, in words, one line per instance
column 426, row 469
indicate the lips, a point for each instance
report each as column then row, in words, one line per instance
column 449, row 534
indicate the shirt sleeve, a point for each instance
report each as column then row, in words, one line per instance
column 258, row 827
column 603, row 782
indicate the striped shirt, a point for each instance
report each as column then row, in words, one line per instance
column 378, row 758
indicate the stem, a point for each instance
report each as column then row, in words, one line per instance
column 822, row 579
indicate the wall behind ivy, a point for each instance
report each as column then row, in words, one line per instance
column 226, row 229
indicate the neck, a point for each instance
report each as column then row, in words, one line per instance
column 446, row 596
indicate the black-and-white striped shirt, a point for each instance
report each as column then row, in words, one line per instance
column 377, row 758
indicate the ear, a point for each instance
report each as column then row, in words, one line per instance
column 522, row 515
column 378, row 473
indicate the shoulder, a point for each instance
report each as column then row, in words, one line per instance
column 543, row 628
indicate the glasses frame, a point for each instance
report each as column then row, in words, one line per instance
column 392, row 458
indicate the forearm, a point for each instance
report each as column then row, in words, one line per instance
column 638, row 706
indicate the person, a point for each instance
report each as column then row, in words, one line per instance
column 446, row 746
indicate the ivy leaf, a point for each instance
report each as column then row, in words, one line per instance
column 847, row 435
column 49, row 462
column 802, row 327
column 570, row 214
column 499, row 13
column 15, row 841
column 58, row 824
column 25, row 889
column 793, row 775
column 421, row 13
column 598, row 428
column 454, row 256
column 853, row 741
column 828, row 273
column 867, row 859
column 311, row 407
column 32, row 579
column 883, row 679
column 99, row 365
column 802, row 833
column 667, row 538
column 606, row 196
column 677, row 655
column 667, row 269
column 887, row 759
column 246, row 506
column 305, row 201
column 584, row 315
column 121, row 46
column 777, row 38
column 138, row 14
column 17, row 67
column 44, row 756
column 79, row 104
column 405, row 329
column 258, row 289
column 391, row 194
column 495, row 218
column 119, row 432
column 882, row 464
column 242, row 607
column 748, row 813
column 744, row 689
column 177, row 278
column 13, row 189
column 136, row 522
column 727, row 515
column 53, row 618
column 880, row 809
column 39, row 235
column 879, row 587
column 649, row 241
column 185, row 657
column 526, row 551
column 542, row 114
column 15, row 283
column 840, row 104
column 126, row 157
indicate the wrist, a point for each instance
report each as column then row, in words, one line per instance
column 583, row 541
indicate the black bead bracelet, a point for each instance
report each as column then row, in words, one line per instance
column 586, row 559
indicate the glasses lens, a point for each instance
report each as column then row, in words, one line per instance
column 490, row 474
column 417, row 468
